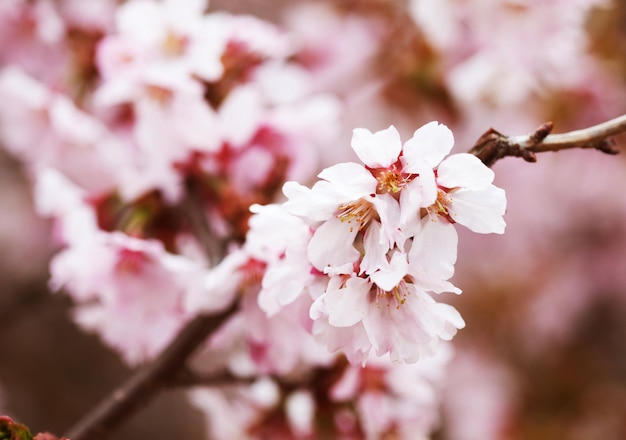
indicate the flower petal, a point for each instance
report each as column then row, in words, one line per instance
column 379, row 149
column 464, row 170
column 432, row 256
column 479, row 211
column 390, row 275
column 350, row 179
column 429, row 144
column 309, row 203
column 348, row 304
column 332, row 246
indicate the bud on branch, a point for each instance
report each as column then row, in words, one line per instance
column 493, row 145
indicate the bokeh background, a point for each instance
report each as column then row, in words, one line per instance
column 543, row 355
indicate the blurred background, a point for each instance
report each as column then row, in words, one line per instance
column 543, row 354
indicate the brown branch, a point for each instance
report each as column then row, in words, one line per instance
column 493, row 145
column 193, row 205
column 149, row 380
column 188, row 378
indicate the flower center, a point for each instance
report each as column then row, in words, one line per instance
column 130, row 261
column 396, row 296
column 390, row 180
column 159, row 94
column 174, row 45
column 361, row 211
column 442, row 205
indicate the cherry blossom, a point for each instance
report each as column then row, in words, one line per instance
column 395, row 399
column 383, row 234
column 113, row 275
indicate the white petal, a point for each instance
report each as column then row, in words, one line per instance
column 432, row 256
column 241, row 114
column 350, row 179
column 143, row 20
column 464, row 170
column 389, row 212
column 376, row 247
column 390, row 276
column 305, row 202
column 379, row 149
column 421, row 192
column 430, row 143
column 347, row 305
column 332, row 245
column 479, row 211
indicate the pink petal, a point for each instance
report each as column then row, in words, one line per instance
column 464, row 170
column 479, row 211
column 429, row 144
column 350, row 179
column 392, row 273
column 332, row 245
column 379, row 149
column 347, row 305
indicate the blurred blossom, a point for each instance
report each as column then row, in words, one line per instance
column 391, row 400
column 540, row 45
column 479, row 397
column 129, row 290
column 231, row 411
column 337, row 49
column 394, row 399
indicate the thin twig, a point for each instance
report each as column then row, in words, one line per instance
column 148, row 381
column 493, row 145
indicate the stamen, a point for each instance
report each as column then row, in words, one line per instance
column 391, row 181
column 442, row 205
column 361, row 211
column 396, row 296
column 159, row 94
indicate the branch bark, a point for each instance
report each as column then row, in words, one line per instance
column 493, row 145
column 148, row 381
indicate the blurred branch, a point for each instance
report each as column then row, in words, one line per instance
column 493, row 145
column 188, row 378
column 141, row 387
column 171, row 363
column 193, row 205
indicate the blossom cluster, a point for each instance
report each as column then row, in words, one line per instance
column 369, row 243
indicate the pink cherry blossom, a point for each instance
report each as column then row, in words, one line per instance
column 403, row 201
column 129, row 290
column 405, row 322
column 47, row 129
column 32, row 35
column 230, row 413
column 395, row 399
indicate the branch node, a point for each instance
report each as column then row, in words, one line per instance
column 541, row 133
column 608, row 146
column 527, row 155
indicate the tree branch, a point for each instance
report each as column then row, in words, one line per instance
column 187, row 378
column 193, row 205
column 493, row 145
column 141, row 387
